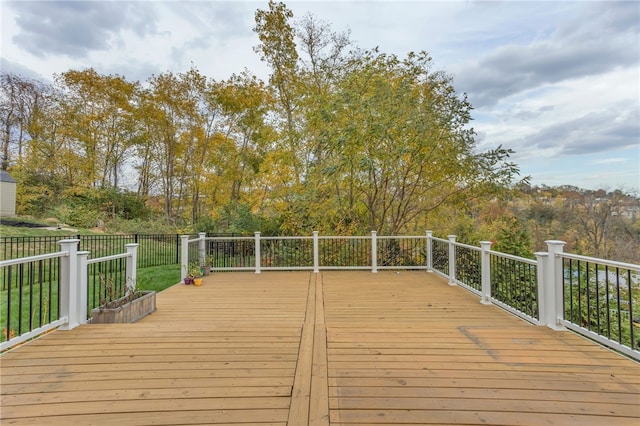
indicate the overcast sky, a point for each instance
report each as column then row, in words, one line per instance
column 556, row 81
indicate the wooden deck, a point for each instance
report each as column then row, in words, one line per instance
column 336, row 348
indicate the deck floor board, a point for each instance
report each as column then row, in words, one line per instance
column 335, row 348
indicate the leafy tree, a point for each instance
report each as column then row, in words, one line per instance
column 277, row 48
column 242, row 140
column 99, row 124
column 513, row 238
column 24, row 104
column 400, row 145
column 169, row 109
column 31, row 143
column 377, row 142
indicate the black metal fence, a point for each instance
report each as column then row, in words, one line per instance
column 440, row 255
column 31, row 299
column 106, row 281
column 157, row 249
column 603, row 299
column 468, row 268
column 17, row 247
column 344, row 252
column 236, row 253
column 332, row 252
column 514, row 283
column 283, row 252
column 401, row 251
column 153, row 250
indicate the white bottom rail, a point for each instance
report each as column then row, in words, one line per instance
column 32, row 334
column 602, row 340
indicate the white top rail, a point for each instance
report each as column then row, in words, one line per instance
column 342, row 237
column 442, row 240
column 226, row 239
column 605, row 262
column 285, row 238
column 321, row 237
column 33, row 258
column 468, row 246
column 108, row 258
column 513, row 257
column 401, row 237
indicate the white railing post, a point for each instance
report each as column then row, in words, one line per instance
column 316, row 254
column 257, row 251
column 545, row 315
column 485, row 268
column 553, row 294
column 374, row 252
column 452, row 259
column 132, row 264
column 429, row 251
column 69, row 294
column 202, row 247
column 184, row 256
column 83, row 257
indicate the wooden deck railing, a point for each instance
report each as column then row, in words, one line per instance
column 549, row 290
column 56, row 290
column 595, row 297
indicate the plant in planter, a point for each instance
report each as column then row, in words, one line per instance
column 208, row 263
column 194, row 275
column 135, row 304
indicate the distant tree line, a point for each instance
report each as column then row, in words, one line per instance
column 598, row 223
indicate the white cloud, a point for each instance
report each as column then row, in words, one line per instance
column 614, row 160
column 572, row 107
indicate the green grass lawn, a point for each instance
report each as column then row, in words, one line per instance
column 158, row 278
column 26, row 231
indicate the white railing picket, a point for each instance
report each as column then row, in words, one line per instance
column 485, row 259
column 69, row 285
column 452, row 259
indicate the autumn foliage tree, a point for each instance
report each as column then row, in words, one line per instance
column 31, row 146
column 384, row 142
column 339, row 139
column 98, row 123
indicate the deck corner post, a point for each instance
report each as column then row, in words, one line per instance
column 429, row 251
column 374, row 252
column 132, row 263
column 553, row 291
column 545, row 315
column 485, row 274
column 202, row 247
column 69, row 303
column 257, row 251
column 184, row 257
column 316, row 254
column 83, row 257
column 452, row 259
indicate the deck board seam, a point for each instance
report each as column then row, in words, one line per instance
column 319, row 408
column 301, row 390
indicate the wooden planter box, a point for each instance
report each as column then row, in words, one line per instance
column 128, row 312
